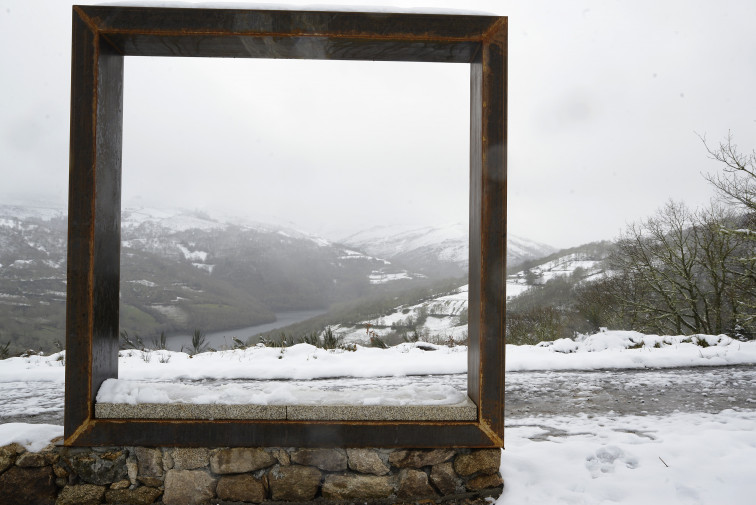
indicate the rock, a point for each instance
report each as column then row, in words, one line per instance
column 241, row 488
column 332, row 460
column 188, row 459
column 131, row 470
column 484, row 482
column 366, row 461
column 138, row 496
column 443, row 477
column 98, row 469
column 413, row 484
column 188, row 487
column 83, row 494
column 60, row 471
column 357, row 487
column 151, row 481
column 282, row 456
column 31, row 460
column 8, row 455
column 121, row 484
column 485, row 461
column 240, row 460
column 293, row 483
column 150, row 462
column 419, row 459
column 28, row 486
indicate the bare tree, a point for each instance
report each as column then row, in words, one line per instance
column 679, row 272
column 737, row 182
column 736, row 185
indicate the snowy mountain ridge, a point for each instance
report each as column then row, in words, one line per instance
column 447, row 243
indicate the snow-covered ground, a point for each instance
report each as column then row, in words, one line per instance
column 685, row 458
column 701, row 455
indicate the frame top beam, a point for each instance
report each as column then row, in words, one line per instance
column 234, row 33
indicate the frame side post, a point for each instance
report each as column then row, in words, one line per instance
column 107, row 224
column 80, row 229
column 474, row 264
column 494, row 236
column 93, row 223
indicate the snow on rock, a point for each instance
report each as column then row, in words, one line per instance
column 33, row 437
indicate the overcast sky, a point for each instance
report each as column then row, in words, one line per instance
column 606, row 98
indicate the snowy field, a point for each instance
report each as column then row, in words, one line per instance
column 700, row 452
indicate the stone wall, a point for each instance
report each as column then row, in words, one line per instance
column 181, row 476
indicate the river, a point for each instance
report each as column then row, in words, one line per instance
column 220, row 339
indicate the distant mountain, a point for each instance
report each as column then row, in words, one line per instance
column 179, row 271
column 434, row 249
column 182, row 270
column 520, row 250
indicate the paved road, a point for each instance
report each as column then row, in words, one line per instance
column 620, row 392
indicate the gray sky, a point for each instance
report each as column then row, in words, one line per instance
column 605, row 100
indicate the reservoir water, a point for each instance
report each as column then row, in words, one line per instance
column 221, row 339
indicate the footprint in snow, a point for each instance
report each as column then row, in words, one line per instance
column 604, row 458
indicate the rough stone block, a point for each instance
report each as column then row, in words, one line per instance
column 97, row 469
column 31, row 460
column 188, row 487
column 413, row 484
column 187, row 411
column 419, row 459
column 8, row 455
column 150, row 462
column 366, row 461
column 443, row 477
column 28, row 486
column 486, row 461
column 138, row 496
column 188, row 458
column 466, row 411
column 121, row 484
column 60, row 471
column 282, row 456
column 240, row 460
column 331, row 460
column 357, row 487
column 151, row 481
column 244, row 488
column 83, row 494
column 293, row 483
column 484, row 482
column 132, row 468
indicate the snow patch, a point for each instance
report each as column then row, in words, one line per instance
column 33, row 437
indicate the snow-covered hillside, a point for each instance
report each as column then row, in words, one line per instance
column 442, row 319
column 585, row 263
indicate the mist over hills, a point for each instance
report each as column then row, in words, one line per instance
column 182, row 270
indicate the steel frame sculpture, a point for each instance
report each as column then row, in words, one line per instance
column 102, row 36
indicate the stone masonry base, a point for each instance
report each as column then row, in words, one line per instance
column 181, row 476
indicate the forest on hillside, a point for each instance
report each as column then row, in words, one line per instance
column 680, row 271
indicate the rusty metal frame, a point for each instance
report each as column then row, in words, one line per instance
column 102, row 36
